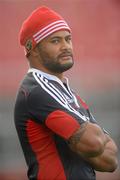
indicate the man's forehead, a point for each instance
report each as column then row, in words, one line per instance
column 61, row 33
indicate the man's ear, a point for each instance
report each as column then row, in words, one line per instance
column 35, row 52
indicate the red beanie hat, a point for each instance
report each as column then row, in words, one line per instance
column 40, row 24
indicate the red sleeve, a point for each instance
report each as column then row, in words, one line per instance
column 62, row 123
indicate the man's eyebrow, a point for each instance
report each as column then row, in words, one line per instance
column 60, row 37
column 55, row 37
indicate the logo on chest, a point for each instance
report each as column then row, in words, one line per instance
column 69, row 99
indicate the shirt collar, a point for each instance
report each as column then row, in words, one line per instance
column 49, row 76
column 54, row 78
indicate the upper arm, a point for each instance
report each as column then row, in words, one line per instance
column 46, row 110
column 62, row 123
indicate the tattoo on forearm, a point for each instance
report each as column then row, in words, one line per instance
column 76, row 137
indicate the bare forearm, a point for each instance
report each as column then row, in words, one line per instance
column 107, row 161
column 89, row 140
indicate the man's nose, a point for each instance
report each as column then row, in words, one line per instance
column 65, row 45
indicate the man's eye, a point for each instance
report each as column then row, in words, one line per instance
column 55, row 41
column 69, row 39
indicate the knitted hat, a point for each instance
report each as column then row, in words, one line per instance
column 40, row 24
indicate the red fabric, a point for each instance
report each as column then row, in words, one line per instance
column 42, row 143
column 82, row 102
column 62, row 123
column 38, row 21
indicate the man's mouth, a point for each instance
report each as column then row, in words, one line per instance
column 65, row 55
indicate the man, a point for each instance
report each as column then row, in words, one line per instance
column 59, row 136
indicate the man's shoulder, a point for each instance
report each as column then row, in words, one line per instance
column 28, row 85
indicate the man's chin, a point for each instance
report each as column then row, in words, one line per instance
column 66, row 66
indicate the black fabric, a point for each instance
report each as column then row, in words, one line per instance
column 75, row 167
column 33, row 102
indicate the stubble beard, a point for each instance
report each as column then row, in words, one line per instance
column 55, row 66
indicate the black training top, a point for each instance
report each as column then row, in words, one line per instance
column 47, row 113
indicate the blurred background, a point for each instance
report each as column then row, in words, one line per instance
column 95, row 76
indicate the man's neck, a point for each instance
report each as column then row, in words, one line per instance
column 58, row 75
